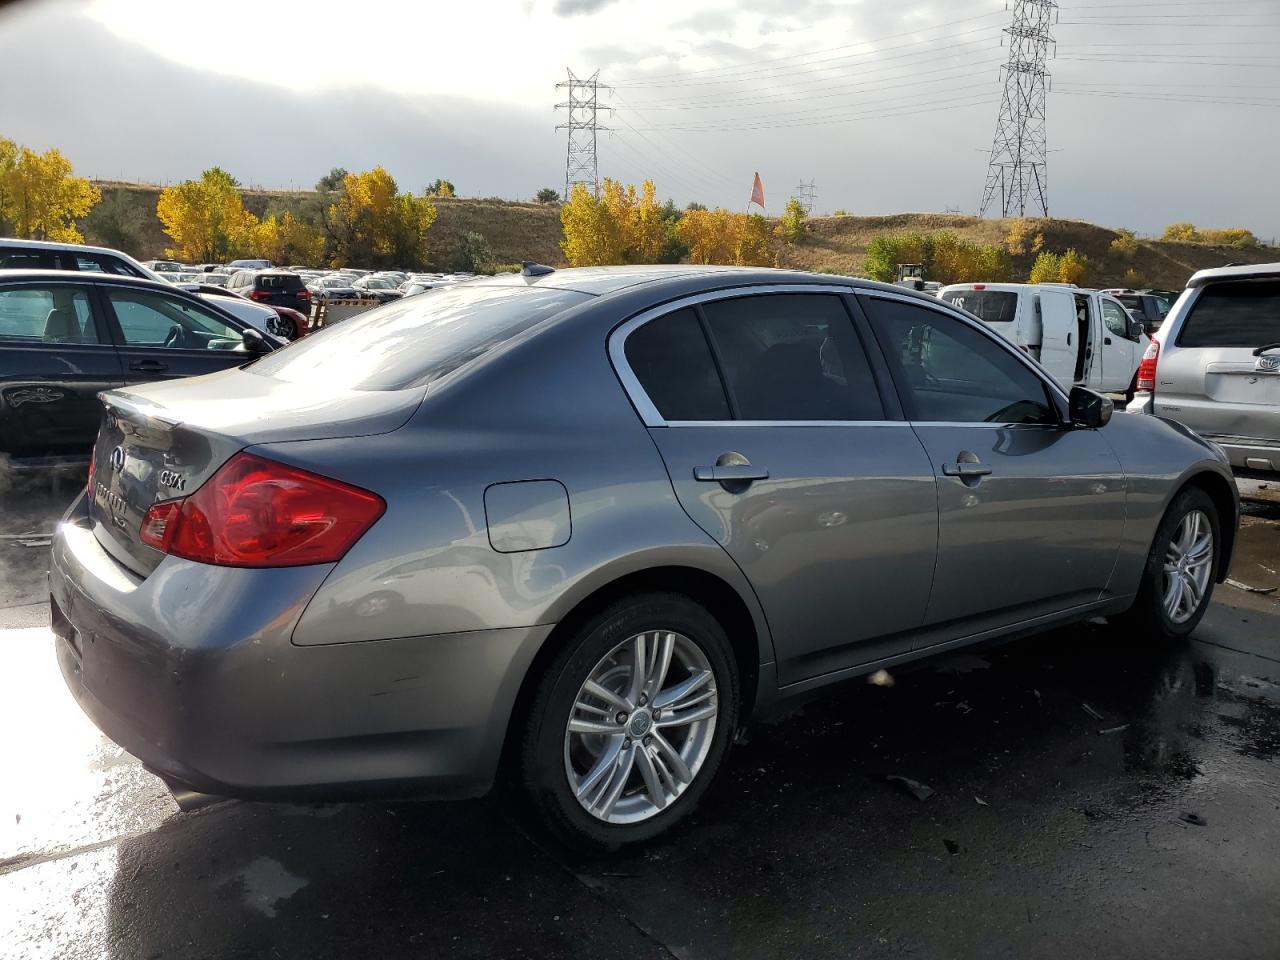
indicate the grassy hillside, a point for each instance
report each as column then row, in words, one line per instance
column 531, row 231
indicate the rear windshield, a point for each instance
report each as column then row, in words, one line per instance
column 411, row 342
column 279, row 281
column 993, row 306
column 1241, row 313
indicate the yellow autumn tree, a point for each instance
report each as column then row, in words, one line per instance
column 718, row 236
column 1023, row 237
column 206, row 218
column 621, row 225
column 39, row 198
column 286, row 239
column 374, row 224
column 1125, row 244
column 1073, row 267
column 791, row 227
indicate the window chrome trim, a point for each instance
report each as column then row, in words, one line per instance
column 786, row 423
column 947, row 309
column 649, row 413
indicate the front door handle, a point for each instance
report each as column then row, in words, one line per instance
column 730, row 473
column 965, row 470
column 148, row 366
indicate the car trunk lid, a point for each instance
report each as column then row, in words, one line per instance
column 162, row 441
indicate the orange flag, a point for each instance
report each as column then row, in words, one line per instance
column 757, row 193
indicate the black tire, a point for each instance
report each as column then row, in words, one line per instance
column 542, row 749
column 1148, row 617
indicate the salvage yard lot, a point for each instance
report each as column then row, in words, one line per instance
column 1084, row 786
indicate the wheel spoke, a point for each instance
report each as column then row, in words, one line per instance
column 579, row 725
column 672, row 696
column 661, row 662
column 676, row 762
column 639, row 666
column 1194, row 591
column 607, row 695
column 602, row 766
column 616, row 782
column 649, row 774
column 1201, row 548
column 1173, row 596
column 681, row 718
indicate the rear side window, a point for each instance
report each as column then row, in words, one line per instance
column 46, row 315
column 671, row 359
column 412, row 342
column 1240, row 313
column 993, row 306
column 793, row 357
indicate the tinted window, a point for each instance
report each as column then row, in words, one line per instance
column 412, row 342
column 993, row 306
column 46, row 315
column 27, row 260
column 153, row 320
column 793, row 357
column 948, row 372
column 279, row 281
column 1242, row 313
column 96, row 263
column 1116, row 319
column 673, row 363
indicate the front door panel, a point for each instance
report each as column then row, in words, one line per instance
column 838, row 541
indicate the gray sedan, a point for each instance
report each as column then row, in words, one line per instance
column 579, row 526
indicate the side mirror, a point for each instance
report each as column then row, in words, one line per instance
column 1136, row 329
column 1088, row 409
column 255, row 344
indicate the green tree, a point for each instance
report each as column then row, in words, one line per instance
column 547, row 195
column 441, row 188
column 1046, row 268
column 117, row 222
column 471, row 255
column 1125, row 244
column 332, row 180
column 791, row 227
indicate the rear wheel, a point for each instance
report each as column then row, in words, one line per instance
column 1177, row 581
column 631, row 722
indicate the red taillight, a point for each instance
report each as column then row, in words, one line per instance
column 258, row 294
column 303, row 294
column 89, row 486
column 255, row 512
column 1147, row 368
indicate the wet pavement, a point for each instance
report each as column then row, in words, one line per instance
column 1090, row 794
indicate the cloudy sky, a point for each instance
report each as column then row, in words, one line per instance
column 1159, row 111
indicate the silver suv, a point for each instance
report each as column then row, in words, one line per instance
column 1215, row 365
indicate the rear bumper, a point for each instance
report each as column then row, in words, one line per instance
column 192, row 671
column 1249, row 456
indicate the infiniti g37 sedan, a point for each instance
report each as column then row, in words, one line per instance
column 577, row 527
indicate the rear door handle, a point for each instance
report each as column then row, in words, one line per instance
column 964, row 470
column 730, row 473
column 148, row 366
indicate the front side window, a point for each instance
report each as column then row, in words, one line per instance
column 1237, row 313
column 671, row 359
column 150, row 319
column 792, row 357
column 1116, row 319
column 948, row 372
column 46, row 315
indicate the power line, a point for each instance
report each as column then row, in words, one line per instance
column 583, row 106
column 1017, row 170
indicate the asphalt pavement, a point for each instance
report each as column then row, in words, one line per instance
column 1078, row 793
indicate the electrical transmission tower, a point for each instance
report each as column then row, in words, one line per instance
column 807, row 194
column 583, row 106
column 1016, row 173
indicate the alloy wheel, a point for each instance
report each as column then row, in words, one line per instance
column 1188, row 565
column 641, row 727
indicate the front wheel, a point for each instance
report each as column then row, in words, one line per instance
column 631, row 722
column 1177, row 581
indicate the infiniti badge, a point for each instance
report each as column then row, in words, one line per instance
column 117, row 458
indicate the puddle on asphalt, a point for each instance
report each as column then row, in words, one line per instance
column 265, row 882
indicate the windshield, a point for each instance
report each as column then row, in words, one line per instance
column 412, row 342
column 993, row 306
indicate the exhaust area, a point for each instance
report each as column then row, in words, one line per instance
column 189, row 800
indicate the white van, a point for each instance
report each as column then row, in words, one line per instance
column 1080, row 336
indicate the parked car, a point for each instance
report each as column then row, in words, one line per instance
column 1082, row 337
column 214, row 279
column 235, row 265
column 164, row 266
column 45, row 255
column 1214, row 365
column 1148, row 307
column 377, row 288
column 280, row 322
column 587, row 523
column 66, row 335
column 333, row 287
column 272, row 287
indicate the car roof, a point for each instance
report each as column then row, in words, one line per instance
column 6, row 242
column 82, row 276
column 1248, row 271
column 601, row 281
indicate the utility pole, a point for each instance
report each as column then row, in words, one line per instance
column 1016, row 172
column 807, row 194
column 583, row 106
